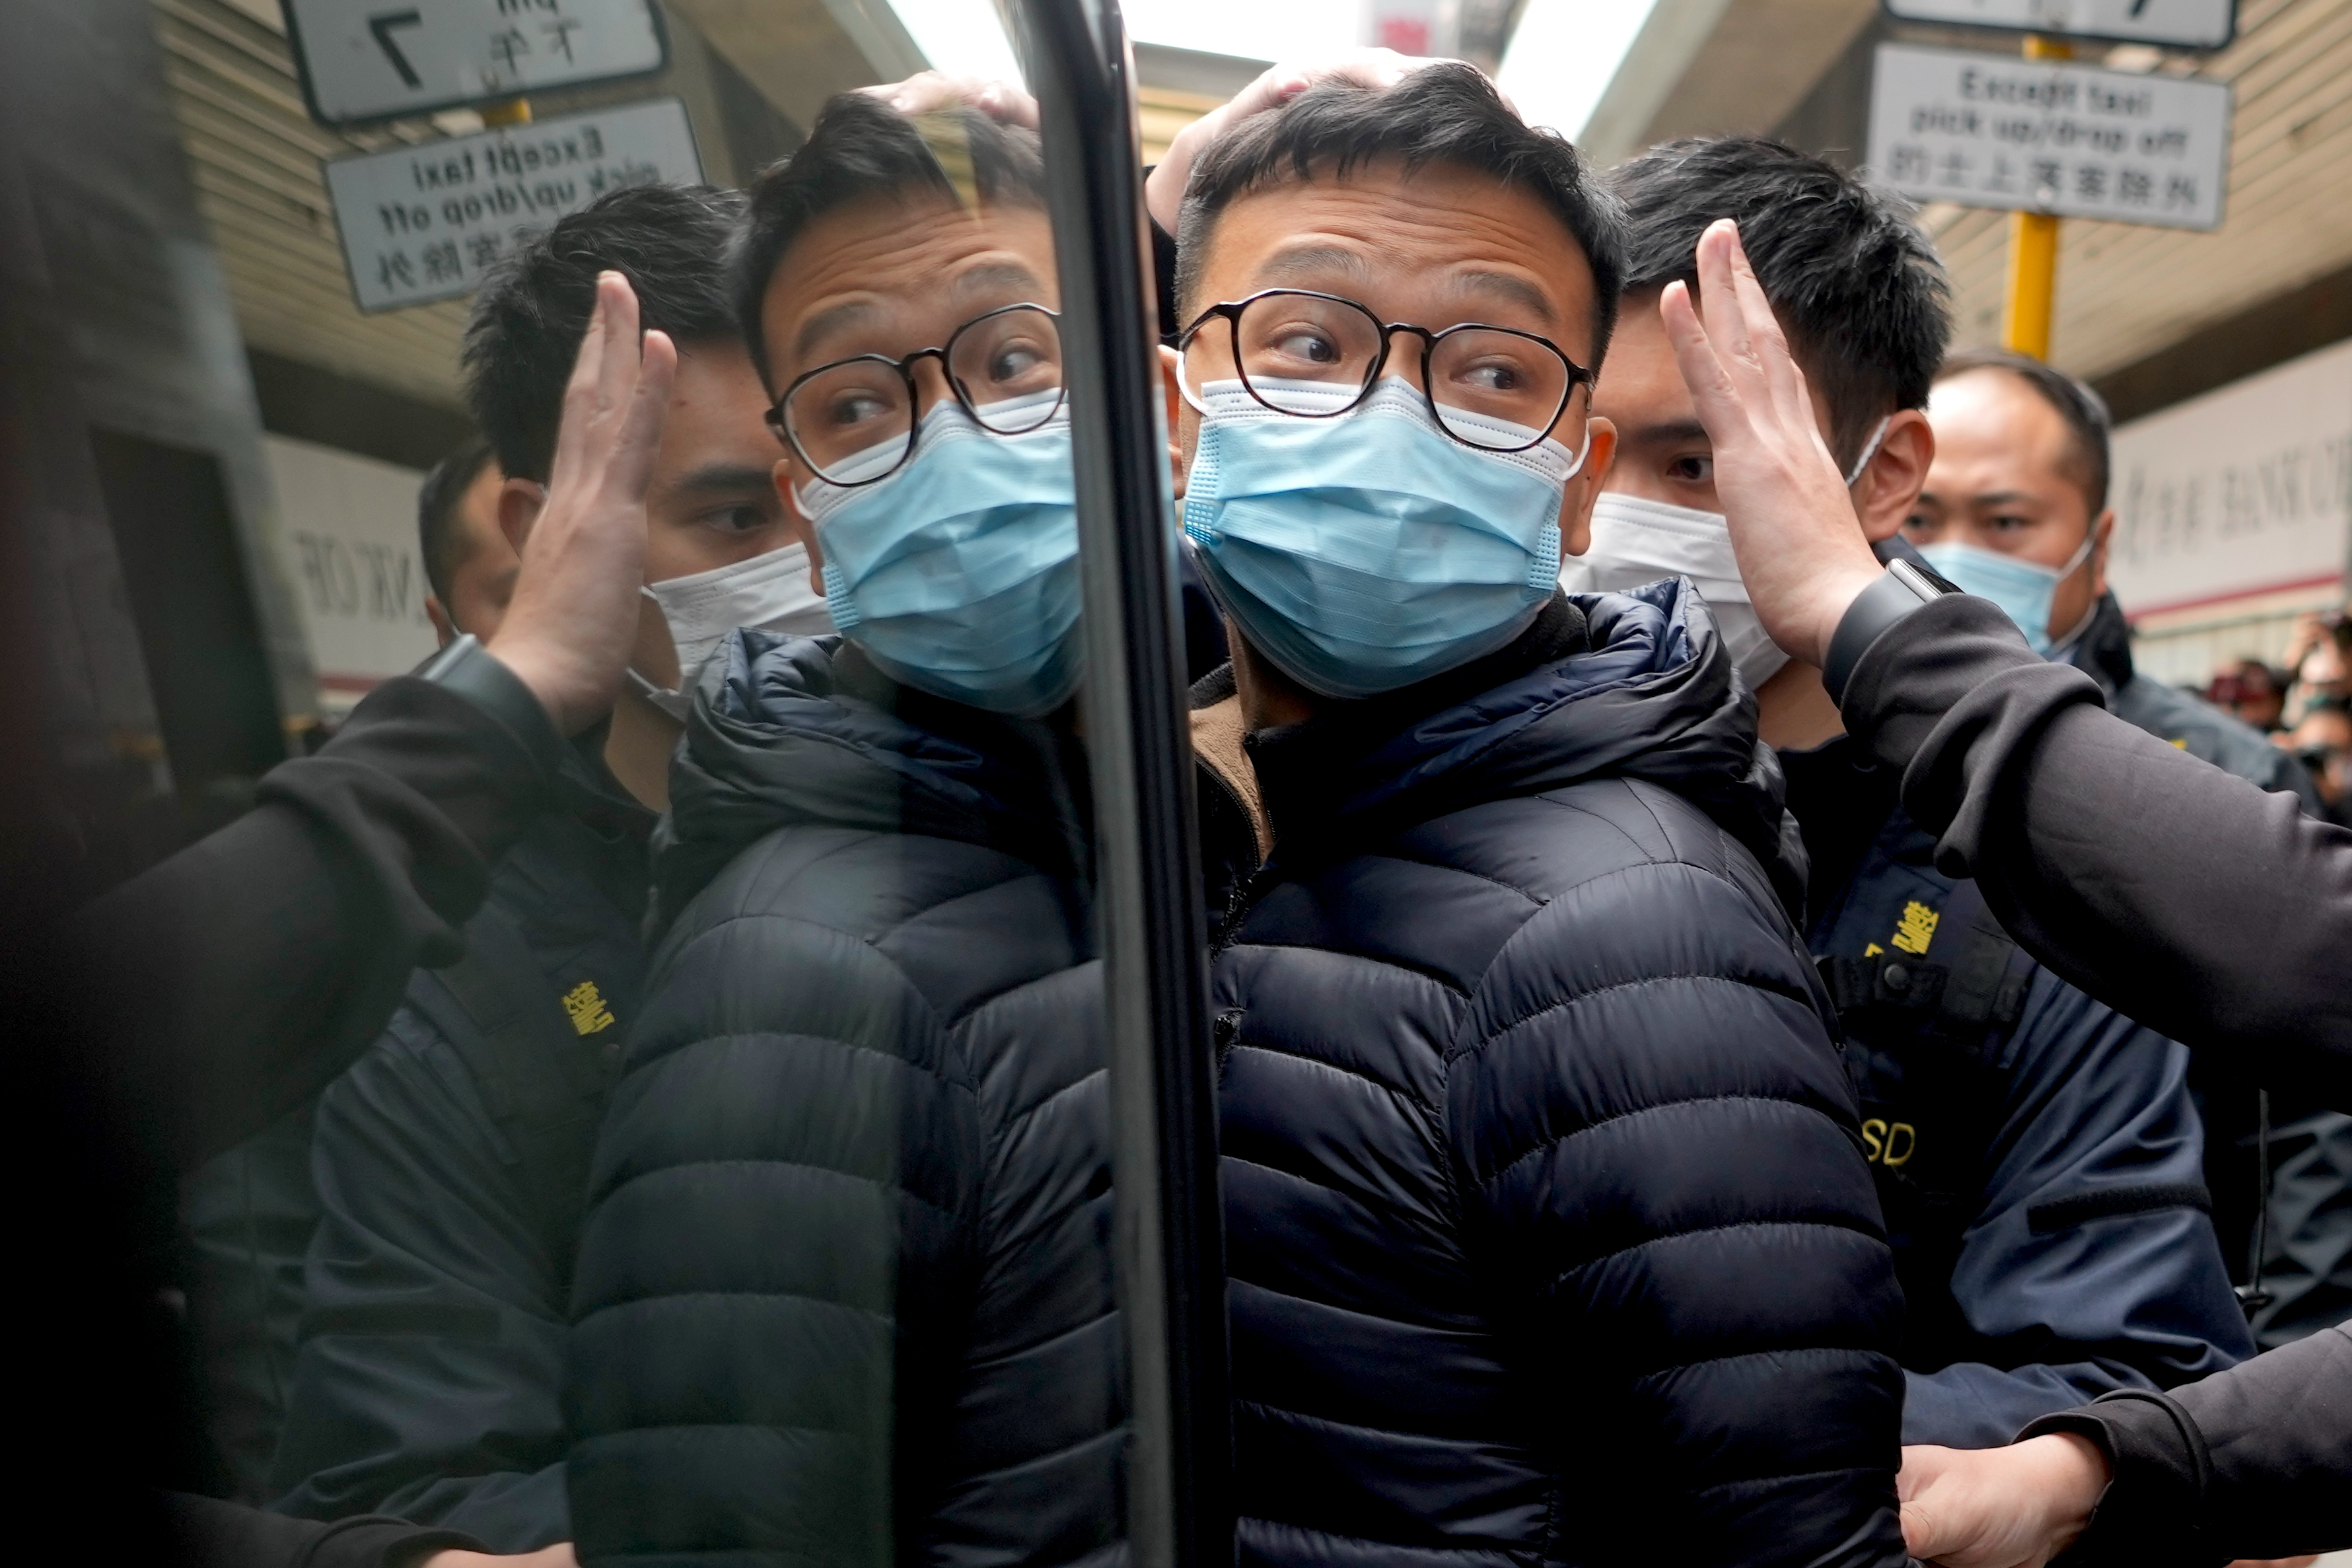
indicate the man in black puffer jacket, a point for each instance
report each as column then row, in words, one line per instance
column 1550, row 1236
column 844, row 1294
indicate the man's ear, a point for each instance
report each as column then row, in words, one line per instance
column 1172, row 400
column 2103, row 533
column 445, row 630
column 1584, row 490
column 1890, row 484
column 786, row 475
column 519, row 501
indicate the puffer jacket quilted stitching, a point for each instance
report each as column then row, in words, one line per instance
column 843, row 1295
column 1551, row 1238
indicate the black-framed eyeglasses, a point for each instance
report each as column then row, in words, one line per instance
column 1317, row 355
column 854, row 421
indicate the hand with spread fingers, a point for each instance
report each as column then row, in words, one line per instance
column 1800, row 545
column 2000, row 1508
column 568, row 631
column 928, row 92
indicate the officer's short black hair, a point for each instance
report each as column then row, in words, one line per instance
column 1447, row 114
column 2088, row 422
column 671, row 242
column 862, row 147
column 438, row 540
column 1857, row 287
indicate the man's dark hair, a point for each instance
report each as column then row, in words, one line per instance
column 671, row 243
column 2084, row 412
column 1856, row 287
column 1439, row 114
column 862, row 147
column 438, row 539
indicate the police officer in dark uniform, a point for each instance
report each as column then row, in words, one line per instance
column 451, row 1161
column 2015, row 510
column 2037, row 1155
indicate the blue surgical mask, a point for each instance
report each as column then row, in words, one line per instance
column 1364, row 553
column 958, row 574
column 2023, row 589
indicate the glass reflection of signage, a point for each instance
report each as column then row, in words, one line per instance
column 427, row 222
column 378, row 60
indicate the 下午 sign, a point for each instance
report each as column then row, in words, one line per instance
column 2174, row 24
column 373, row 59
column 426, row 223
column 1994, row 131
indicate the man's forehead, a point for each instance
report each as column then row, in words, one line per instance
column 882, row 262
column 1994, row 416
column 1460, row 229
column 900, row 232
column 1642, row 387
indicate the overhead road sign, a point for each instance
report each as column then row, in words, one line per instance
column 378, row 60
column 424, row 223
column 2171, row 23
column 1994, row 131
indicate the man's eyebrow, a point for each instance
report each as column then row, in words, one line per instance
column 830, row 320
column 1508, row 286
column 992, row 276
column 1311, row 261
column 1665, row 433
column 720, row 478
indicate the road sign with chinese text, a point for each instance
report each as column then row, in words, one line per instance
column 373, row 59
column 2172, row 23
column 1994, row 131
column 424, row 223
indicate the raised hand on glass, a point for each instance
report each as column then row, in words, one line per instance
column 568, row 631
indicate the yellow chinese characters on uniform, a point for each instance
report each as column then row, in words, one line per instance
column 585, row 1004
column 1918, row 927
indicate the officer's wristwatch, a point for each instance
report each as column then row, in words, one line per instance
column 474, row 673
column 1902, row 588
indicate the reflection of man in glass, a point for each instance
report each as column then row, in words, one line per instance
column 449, row 1159
column 1550, row 1232
column 843, row 1295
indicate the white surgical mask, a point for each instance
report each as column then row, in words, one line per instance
column 1869, row 450
column 767, row 592
column 1636, row 540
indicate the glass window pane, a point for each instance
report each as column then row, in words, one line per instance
column 656, row 1096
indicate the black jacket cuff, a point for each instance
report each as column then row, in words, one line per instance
column 2154, row 1509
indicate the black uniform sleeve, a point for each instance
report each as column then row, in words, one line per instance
column 243, row 973
column 2178, row 894
column 429, row 1381
column 2254, row 1462
column 210, row 1533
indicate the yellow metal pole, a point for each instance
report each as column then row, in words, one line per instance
column 2032, row 283
column 512, row 111
column 2032, row 252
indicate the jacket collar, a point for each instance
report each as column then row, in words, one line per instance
column 1632, row 685
column 1219, row 744
column 2102, row 649
column 789, row 731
